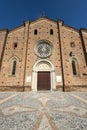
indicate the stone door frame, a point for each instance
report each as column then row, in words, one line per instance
column 43, row 65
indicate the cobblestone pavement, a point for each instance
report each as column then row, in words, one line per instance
column 43, row 111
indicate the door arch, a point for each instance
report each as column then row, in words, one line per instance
column 43, row 66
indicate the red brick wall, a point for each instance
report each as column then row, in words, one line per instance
column 26, row 57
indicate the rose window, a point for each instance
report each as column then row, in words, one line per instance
column 43, row 49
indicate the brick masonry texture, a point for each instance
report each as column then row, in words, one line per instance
column 62, row 55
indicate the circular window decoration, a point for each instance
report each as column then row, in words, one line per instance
column 43, row 49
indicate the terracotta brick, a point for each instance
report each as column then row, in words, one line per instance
column 19, row 44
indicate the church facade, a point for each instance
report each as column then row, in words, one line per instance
column 43, row 55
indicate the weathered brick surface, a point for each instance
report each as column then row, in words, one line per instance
column 26, row 57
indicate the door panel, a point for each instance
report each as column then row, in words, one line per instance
column 43, row 80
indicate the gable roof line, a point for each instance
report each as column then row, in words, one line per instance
column 70, row 27
column 43, row 18
column 48, row 19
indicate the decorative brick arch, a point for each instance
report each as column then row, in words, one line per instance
column 14, row 58
column 76, row 62
column 43, row 65
column 11, row 62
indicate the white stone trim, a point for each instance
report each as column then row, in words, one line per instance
column 35, row 71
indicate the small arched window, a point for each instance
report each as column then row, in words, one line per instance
column 51, row 31
column 74, row 67
column 35, row 32
column 14, row 67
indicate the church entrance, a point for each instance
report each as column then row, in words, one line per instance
column 43, row 80
column 43, row 76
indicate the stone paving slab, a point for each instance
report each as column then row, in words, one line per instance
column 43, row 111
column 80, row 94
column 4, row 95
